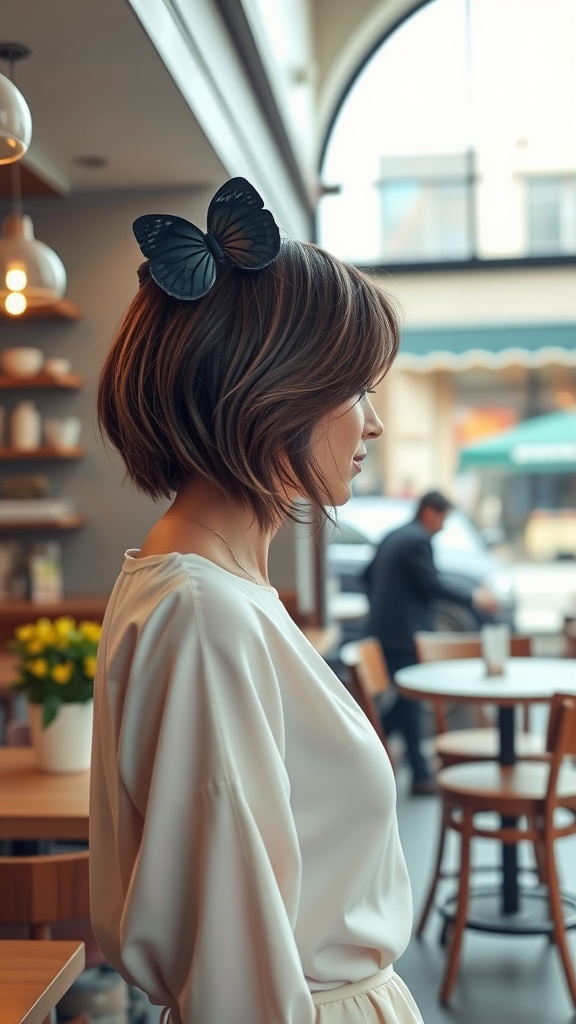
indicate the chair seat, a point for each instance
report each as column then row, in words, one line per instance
column 484, row 744
column 489, row 783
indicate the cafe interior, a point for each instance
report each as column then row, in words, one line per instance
column 108, row 111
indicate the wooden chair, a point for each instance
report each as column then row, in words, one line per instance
column 482, row 743
column 17, row 733
column 37, row 892
column 528, row 793
column 47, row 897
column 369, row 677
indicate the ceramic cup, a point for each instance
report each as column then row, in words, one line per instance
column 57, row 367
column 64, row 433
column 21, row 362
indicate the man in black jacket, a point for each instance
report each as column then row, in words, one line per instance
column 402, row 583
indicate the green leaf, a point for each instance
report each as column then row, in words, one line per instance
column 50, row 708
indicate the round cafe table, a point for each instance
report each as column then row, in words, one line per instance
column 524, row 681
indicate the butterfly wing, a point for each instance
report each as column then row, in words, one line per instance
column 245, row 231
column 180, row 261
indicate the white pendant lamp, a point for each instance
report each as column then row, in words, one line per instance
column 31, row 274
column 15, row 117
column 15, row 122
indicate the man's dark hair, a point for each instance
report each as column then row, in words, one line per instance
column 435, row 500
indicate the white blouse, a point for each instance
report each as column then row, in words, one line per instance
column 243, row 836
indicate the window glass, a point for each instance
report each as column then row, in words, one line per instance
column 464, row 148
column 551, row 214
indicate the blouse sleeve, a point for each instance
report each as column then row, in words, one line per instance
column 195, row 864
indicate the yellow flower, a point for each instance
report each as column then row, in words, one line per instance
column 45, row 630
column 38, row 668
column 89, row 664
column 91, row 631
column 25, row 633
column 62, row 673
column 64, row 625
column 35, row 647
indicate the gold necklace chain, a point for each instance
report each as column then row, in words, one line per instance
column 188, row 519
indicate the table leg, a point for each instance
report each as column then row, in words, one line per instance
column 507, row 739
column 510, row 895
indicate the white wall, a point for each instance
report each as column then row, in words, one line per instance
column 508, row 296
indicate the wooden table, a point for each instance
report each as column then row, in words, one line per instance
column 34, row 976
column 525, row 681
column 39, row 805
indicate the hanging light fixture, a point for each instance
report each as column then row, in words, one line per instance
column 15, row 118
column 31, row 274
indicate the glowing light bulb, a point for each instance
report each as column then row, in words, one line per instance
column 15, row 303
column 16, row 279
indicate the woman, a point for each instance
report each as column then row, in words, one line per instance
column 246, row 866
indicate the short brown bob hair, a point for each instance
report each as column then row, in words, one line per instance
column 229, row 387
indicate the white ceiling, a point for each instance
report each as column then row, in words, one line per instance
column 96, row 87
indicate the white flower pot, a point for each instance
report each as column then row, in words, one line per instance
column 65, row 744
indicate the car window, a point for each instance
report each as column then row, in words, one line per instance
column 343, row 533
column 458, row 532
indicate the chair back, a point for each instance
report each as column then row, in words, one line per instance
column 43, row 890
column 446, row 646
column 17, row 733
column 369, row 677
column 561, row 735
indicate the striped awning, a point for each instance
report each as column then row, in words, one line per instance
column 488, row 347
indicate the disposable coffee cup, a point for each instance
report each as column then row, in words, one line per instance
column 495, row 640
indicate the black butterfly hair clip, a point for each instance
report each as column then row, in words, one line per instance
column 183, row 259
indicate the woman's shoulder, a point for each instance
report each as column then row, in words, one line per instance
column 175, row 584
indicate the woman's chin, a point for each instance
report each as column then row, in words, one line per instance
column 343, row 495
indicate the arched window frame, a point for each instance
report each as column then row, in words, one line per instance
column 474, row 260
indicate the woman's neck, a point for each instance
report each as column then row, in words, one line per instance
column 201, row 521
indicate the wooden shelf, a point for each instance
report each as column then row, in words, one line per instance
column 70, row 382
column 81, row 606
column 72, row 522
column 62, row 310
column 45, row 453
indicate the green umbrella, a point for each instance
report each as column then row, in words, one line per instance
column 545, row 444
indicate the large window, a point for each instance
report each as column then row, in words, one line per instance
column 425, row 210
column 551, row 214
column 457, row 140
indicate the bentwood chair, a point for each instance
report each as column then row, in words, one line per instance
column 453, row 746
column 368, row 679
column 526, row 796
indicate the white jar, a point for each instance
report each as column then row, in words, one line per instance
column 25, row 427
